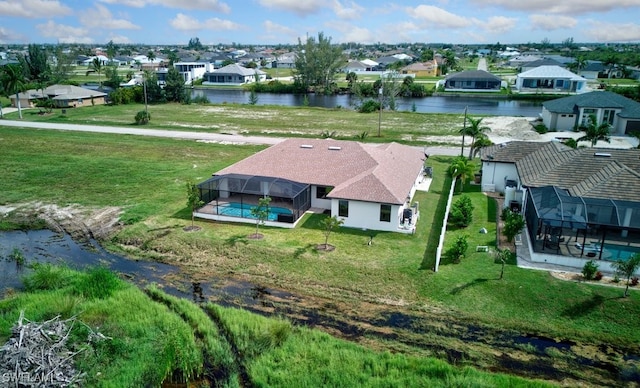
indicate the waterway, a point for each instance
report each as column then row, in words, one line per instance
column 476, row 105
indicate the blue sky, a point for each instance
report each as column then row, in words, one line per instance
column 284, row 21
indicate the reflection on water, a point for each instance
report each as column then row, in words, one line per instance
column 435, row 104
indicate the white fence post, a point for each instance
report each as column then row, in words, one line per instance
column 444, row 225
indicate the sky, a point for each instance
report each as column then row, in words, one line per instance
column 269, row 22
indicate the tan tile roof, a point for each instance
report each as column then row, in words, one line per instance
column 588, row 172
column 382, row 173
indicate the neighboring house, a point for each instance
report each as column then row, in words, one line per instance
column 285, row 61
column 384, row 62
column 475, row 80
column 579, row 204
column 592, row 70
column 64, row 96
column 423, row 69
column 519, row 60
column 550, row 79
column 367, row 186
column 540, row 62
column 567, row 113
column 218, row 59
column 233, row 74
column 358, row 67
column 190, row 71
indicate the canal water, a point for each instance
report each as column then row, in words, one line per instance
column 477, row 105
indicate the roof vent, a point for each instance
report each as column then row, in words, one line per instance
column 306, row 146
column 335, row 148
column 602, row 155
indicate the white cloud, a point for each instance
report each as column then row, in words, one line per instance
column 275, row 28
column 208, row 5
column 33, row 8
column 101, row 17
column 551, row 22
column 64, row 33
column 613, row 32
column 187, row 23
column 437, row 17
column 350, row 12
column 298, row 7
column 572, row 7
column 499, row 24
column 8, row 36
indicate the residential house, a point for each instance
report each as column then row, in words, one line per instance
column 592, row 70
column 233, row 74
column 567, row 113
column 385, row 62
column 189, row 70
column 423, row 69
column 368, row 186
column 540, row 62
column 64, row 96
column 360, row 66
column 550, row 79
column 474, row 80
column 579, row 204
column 285, row 61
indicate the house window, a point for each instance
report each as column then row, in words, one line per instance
column 322, row 191
column 385, row 213
column 586, row 112
column 609, row 116
column 343, row 208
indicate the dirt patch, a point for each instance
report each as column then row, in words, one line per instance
column 80, row 222
column 325, row 247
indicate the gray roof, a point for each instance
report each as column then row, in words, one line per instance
column 62, row 92
column 383, row 173
column 543, row 62
column 550, row 72
column 594, row 66
column 476, row 75
column 587, row 172
column 595, row 99
column 234, row 68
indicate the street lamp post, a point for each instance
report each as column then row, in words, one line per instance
column 380, row 110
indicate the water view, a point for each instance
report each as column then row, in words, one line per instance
column 435, row 104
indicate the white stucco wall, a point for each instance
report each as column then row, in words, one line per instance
column 319, row 202
column 366, row 215
column 494, row 173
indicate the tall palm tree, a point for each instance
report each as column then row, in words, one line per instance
column 475, row 130
column 461, row 169
column 14, row 82
column 594, row 132
column 96, row 66
column 481, row 142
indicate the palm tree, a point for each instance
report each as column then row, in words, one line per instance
column 461, row 168
column 594, row 132
column 96, row 66
column 475, row 130
column 481, row 141
column 151, row 56
column 13, row 81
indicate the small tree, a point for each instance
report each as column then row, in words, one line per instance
column 261, row 213
column 462, row 211
column 253, row 97
column 459, row 249
column 142, row 117
column 513, row 224
column 627, row 269
column 193, row 200
column 503, row 255
column 589, row 270
column 330, row 224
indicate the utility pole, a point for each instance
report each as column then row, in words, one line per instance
column 464, row 129
column 380, row 110
column 144, row 86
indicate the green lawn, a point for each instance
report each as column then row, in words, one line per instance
column 147, row 176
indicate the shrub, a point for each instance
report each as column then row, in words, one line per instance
column 513, row 224
column 589, row 270
column 200, row 99
column 369, row 106
column 598, row 276
column 541, row 128
column 143, row 117
column 459, row 249
column 46, row 277
column 462, row 211
column 98, row 283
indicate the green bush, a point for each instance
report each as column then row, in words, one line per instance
column 200, row 99
column 143, row 117
column 97, row 283
column 589, row 270
column 513, row 224
column 47, row 277
column 459, row 249
column 462, row 212
column 369, row 106
column 541, row 128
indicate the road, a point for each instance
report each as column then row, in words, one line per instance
column 204, row 136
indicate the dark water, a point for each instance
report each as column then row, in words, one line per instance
column 436, row 104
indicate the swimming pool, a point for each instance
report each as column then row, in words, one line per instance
column 620, row 252
column 236, row 209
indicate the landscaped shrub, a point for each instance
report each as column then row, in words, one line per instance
column 513, row 224
column 143, row 117
column 541, row 128
column 369, row 106
column 589, row 270
column 459, row 249
column 462, row 211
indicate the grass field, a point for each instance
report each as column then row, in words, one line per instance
column 156, row 338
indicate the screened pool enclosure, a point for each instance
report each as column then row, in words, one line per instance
column 596, row 228
column 234, row 195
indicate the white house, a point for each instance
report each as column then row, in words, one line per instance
column 190, row 71
column 367, row 186
column 550, row 79
column 233, row 74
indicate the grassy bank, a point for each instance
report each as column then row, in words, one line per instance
column 147, row 178
column 151, row 339
column 405, row 127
